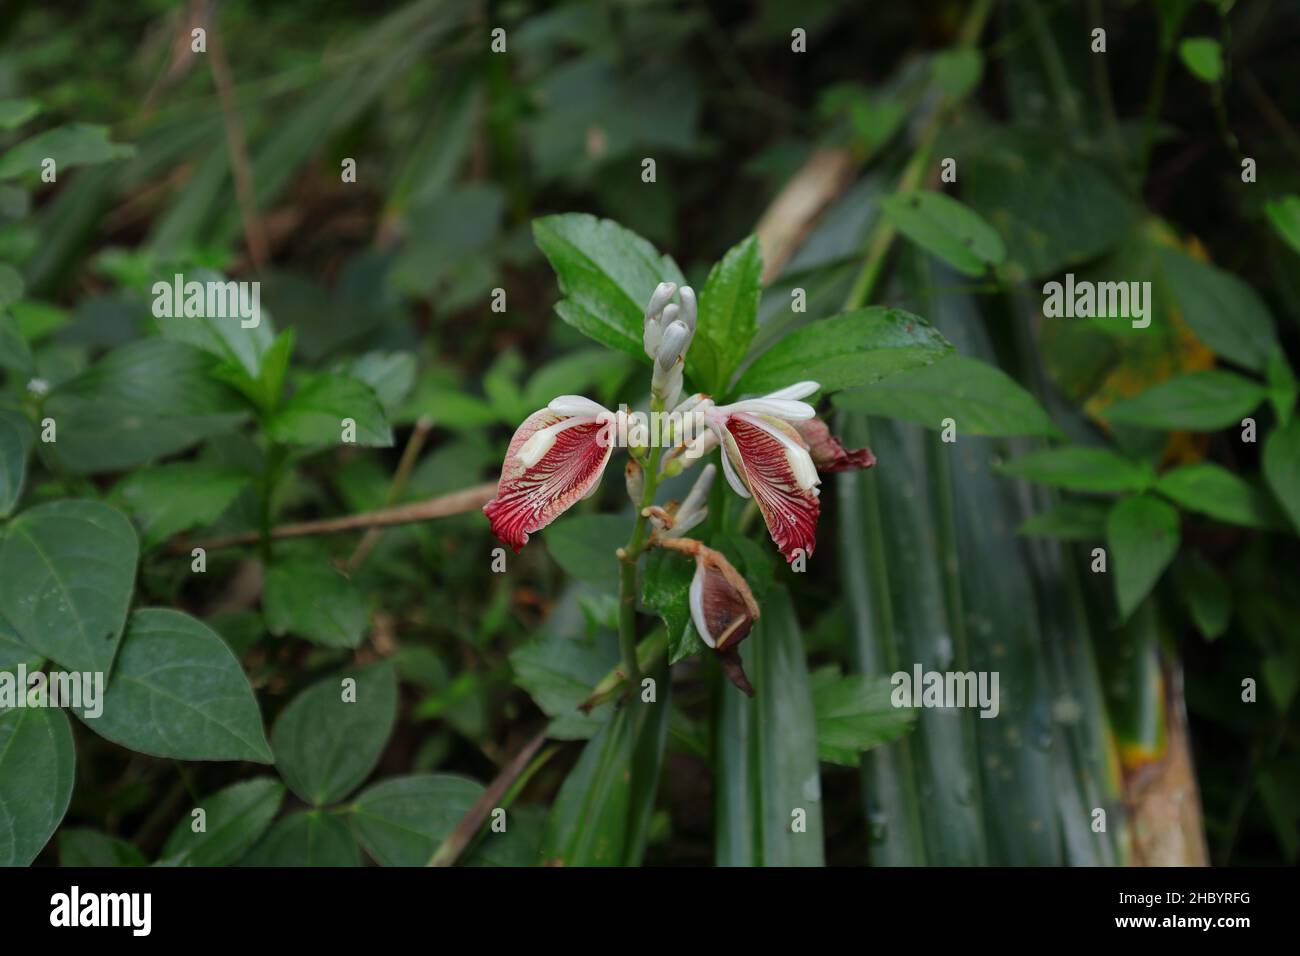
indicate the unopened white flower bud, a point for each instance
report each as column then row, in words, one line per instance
column 690, row 310
column 663, row 293
column 673, row 344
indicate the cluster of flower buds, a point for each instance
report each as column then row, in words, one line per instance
column 669, row 328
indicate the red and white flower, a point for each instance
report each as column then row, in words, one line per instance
column 765, row 457
column 555, row 459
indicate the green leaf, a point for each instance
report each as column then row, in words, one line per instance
column 306, row 838
column 317, row 411
column 140, row 402
column 606, row 275
column 1282, row 467
column 958, row 71
column 1203, row 58
column 1212, row 490
column 168, row 499
column 559, row 674
column 728, row 316
column 402, row 822
column 585, row 545
column 1206, row 595
column 855, row 713
column 1201, row 401
column 851, row 349
column 1284, row 214
column 178, row 691
column 944, row 227
column 76, row 144
column 1225, row 313
column 601, row 816
column 67, row 570
column 666, row 589
column 14, row 113
column 11, row 286
column 1069, row 520
column 1142, row 535
column 766, row 751
column 390, row 374
column 326, row 745
column 1080, row 468
column 222, row 333
column 37, row 764
column 234, row 819
column 265, row 388
column 81, row 846
column 306, row 596
column 15, row 444
column 981, row 399
column 37, row 320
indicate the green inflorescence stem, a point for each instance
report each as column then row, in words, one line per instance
column 628, row 558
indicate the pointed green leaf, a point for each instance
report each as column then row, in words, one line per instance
column 75, row 144
column 946, row 228
column 306, row 838
column 178, row 691
column 327, row 743
column 1201, row 401
column 320, row 411
column 67, row 570
column 233, row 820
column 1225, row 313
column 1282, row 467
column 168, row 499
column 80, row 846
column 37, row 761
column 855, row 713
column 1213, row 490
column 852, row 349
column 1080, row 468
column 1142, row 534
column 403, row 821
column 728, row 315
column 606, row 275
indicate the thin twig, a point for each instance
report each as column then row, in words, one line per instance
column 458, row 502
column 469, row 824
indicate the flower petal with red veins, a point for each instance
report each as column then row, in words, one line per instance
column 828, row 453
column 764, row 464
column 530, row 498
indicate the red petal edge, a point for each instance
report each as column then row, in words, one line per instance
column 529, row 499
column 828, row 453
column 789, row 511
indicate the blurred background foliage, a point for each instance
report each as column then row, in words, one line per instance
column 1125, row 165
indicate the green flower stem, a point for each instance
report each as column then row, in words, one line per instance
column 628, row 558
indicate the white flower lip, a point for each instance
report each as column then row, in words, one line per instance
column 695, row 598
column 577, row 405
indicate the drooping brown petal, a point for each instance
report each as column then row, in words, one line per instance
column 828, row 454
column 531, row 497
column 734, row 669
column 783, row 484
column 723, row 608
